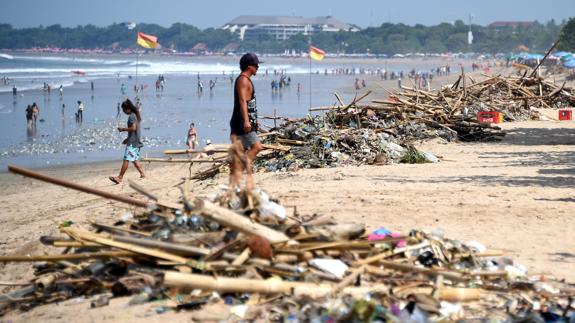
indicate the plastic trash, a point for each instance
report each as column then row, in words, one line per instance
column 239, row 310
column 478, row 247
column 272, row 209
column 515, row 272
column 335, row 267
column 430, row 157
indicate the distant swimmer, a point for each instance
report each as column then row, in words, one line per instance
column 14, row 91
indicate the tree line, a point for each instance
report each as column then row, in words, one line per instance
column 386, row 39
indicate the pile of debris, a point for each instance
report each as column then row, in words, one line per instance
column 239, row 255
column 384, row 131
column 381, row 131
column 513, row 96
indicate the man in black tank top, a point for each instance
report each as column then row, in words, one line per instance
column 244, row 121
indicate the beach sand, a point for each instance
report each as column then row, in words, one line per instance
column 516, row 195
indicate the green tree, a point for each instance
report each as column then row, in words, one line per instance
column 386, row 39
column 567, row 37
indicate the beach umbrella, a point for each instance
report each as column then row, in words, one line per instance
column 561, row 54
column 534, row 56
column 567, row 57
column 569, row 64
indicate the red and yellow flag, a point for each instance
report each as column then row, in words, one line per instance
column 147, row 41
column 316, row 53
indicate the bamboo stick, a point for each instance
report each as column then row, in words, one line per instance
column 73, row 256
column 142, row 190
column 119, row 229
column 458, row 294
column 86, row 235
column 74, row 186
column 231, row 285
column 76, row 244
column 178, row 160
column 238, row 222
column 349, row 279
column 413, row 269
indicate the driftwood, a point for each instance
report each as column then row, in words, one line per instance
column 76, row 256
column 233, row 220
column 89, row 236
column 74, row 186
column 230, row 285
column 180, row 160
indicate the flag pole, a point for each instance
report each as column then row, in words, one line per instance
column 137, row 63
column 309, row 52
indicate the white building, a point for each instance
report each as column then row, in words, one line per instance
column 283, row 27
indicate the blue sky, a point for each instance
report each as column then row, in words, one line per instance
column 215, row 13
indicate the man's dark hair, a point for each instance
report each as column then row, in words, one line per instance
column 244, row 67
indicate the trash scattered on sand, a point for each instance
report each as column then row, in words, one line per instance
column 229, row 257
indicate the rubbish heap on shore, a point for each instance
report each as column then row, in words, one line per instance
column 383, row 131
column 239, row 255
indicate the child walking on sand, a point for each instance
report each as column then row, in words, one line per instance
column 133, row 143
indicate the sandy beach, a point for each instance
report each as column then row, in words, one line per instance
column 515, row 195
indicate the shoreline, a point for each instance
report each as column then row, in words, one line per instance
column 344, row 87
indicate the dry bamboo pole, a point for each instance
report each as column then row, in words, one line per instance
column 533, row 73
column 339, row 99
column 193, row 151
column 355, row 100
column 178, row 160
column 361, row 244
column 372, row 259
column 454, row 295
column 5, row 283
column 238, row 222
column 74, row 186
column 120, row 229
column 73, row 256
column 349, row 279
column 290, row 142
column 89, row 236
column 197, row 251
column 142, row 190
column 413, row 269
column 177, row 248
column 242, row 258
column 232, row 285
column 219, row 149
column 76, row 244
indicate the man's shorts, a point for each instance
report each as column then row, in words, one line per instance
column 249, row 139
column 131, row 153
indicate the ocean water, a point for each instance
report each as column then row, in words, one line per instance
column 59, row 140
